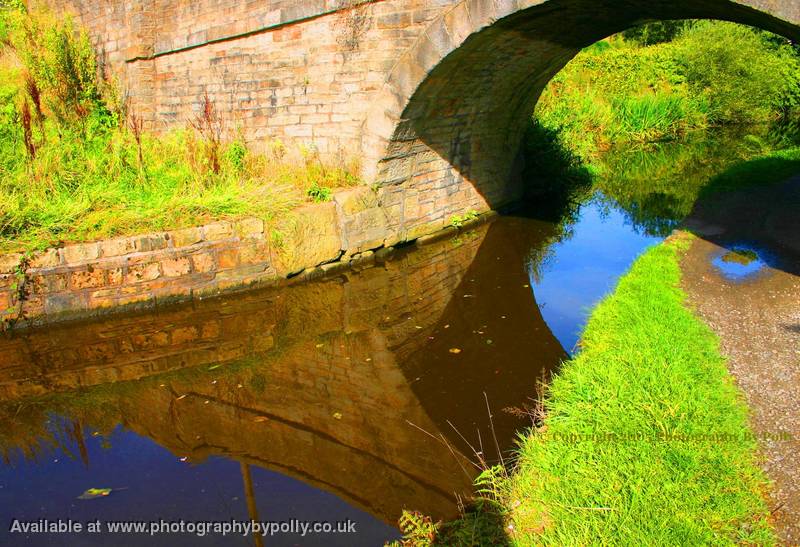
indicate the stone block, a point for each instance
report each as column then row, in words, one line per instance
column 73, row 254
column 115, row 276
column 45, row 259
column 88, row 279
column 6, row 299
column 117, row 247
column 143, row 272
column 185, row 334
column 151, row 242
column 176, row 267
column 250, row 228
column 186, row 237
column 218, row 230
column 309, row 236
column 62, row 303
column 255, row 251
column 203, row 262
column 228, row 258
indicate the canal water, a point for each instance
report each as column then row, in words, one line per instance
column 346, row 399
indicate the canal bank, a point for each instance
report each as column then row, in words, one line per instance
column 150, row 270
column 347, row 394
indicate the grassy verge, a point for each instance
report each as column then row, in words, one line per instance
column 78, row 164
column 648, row 368
column 645, row 440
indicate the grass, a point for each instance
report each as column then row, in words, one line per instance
column 623, row 455
column 645, row 439
column 643, row 87
column 77, row 163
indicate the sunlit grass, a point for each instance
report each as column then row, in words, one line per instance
column 76, row 163
column 648, row 369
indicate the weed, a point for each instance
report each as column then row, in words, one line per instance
column 319, row 193
column 458, row 221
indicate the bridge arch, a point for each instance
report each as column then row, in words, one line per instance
column 444, row 133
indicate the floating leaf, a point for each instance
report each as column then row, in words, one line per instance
column 93, row 493
column 337, row 415
column 455, row 350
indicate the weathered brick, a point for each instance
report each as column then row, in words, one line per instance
column 88, row 279
column 143, row 272
column 176, row 267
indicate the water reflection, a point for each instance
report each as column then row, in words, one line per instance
column 331, row 383
column 347, row 398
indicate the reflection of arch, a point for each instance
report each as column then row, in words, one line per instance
column 328, row 387
column 447, row 125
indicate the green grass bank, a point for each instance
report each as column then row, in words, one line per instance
column 78, row 164
column 645, row 440
column 665, row 80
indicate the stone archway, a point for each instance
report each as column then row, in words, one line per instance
column 444, row 133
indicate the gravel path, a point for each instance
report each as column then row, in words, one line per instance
column 758, row 321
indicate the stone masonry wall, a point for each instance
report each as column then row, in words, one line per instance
column 300, row 71
column 148, row 270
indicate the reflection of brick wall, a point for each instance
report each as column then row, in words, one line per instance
column 419, row 283
column 322, row 396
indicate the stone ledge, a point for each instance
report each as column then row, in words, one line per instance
column 150, row 270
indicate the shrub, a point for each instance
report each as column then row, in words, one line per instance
column 663, row 80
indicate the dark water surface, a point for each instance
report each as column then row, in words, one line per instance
column 346, row 398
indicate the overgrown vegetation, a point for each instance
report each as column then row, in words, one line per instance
column 663, row 80
column 77, row 163
column 645, row 437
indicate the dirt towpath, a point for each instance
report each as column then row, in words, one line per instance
column 757, row 318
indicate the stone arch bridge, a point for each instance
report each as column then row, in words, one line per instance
column 431, row 95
